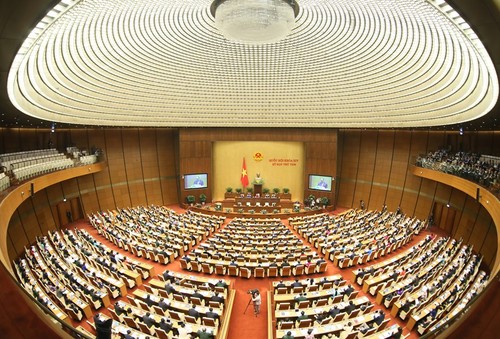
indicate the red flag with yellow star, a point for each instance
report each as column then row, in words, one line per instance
column 244, row 175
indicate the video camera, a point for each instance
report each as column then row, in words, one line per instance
column 252, row 292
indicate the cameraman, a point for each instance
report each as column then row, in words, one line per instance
column 256, row 302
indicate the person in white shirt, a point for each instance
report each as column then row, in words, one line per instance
column 256, row 299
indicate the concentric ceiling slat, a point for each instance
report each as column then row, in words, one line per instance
column 347, row 63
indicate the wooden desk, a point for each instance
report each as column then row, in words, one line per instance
column 132, row 275
column 313, row 311
column 385, row 333
column 329, row 328
column 177, row 305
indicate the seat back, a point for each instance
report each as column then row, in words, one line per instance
column 283, row 306
column 286, row 271
column 304, row 323
column 299, row 270
column 272, row 272
column 209, row 322
column 285, row 325
column 161, row 333
column 233, row 270
column 184, row 264
column 303, row 304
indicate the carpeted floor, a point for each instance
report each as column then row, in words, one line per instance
column 243, row 322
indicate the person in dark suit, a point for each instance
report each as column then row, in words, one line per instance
column 296, row 283
column 348, row 290
column 129, row 335
column 167, row 276
column 119, row 309
column 193, row 312
column 165, row 325
column 288, row 335
column 212, row 314
column 164, row 305
column 281, row 284
column 350, row 307
column 148, row 320
column 217, row 298
column 379, row 318
column 198, row 295
column 334, row 311
column 169, row 288
column 149, row 301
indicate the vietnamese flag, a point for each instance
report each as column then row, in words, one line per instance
column 244, row 175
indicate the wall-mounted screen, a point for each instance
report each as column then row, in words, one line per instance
column 320, row 182
column 195, row 180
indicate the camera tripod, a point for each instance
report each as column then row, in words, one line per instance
column 249, row 302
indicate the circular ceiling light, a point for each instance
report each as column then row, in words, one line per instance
column 255, row 21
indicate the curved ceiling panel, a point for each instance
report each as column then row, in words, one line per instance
column 347, row 63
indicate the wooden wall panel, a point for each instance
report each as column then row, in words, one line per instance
column 149, row 163
column 349, row 169
column 88, row 195
column 101, row 180
column 133, row 166
column 167, row 153
column 489, row 247
column 55, row 196
column 116, row 164
column 480, row 230
column 43, row 212
column 17, row 234
column 382, row 169
column 29, row 221
column 469, row 214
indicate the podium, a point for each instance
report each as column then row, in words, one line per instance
column 257, row 188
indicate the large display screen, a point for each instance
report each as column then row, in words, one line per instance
column 195, row 180
column 320, row 182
